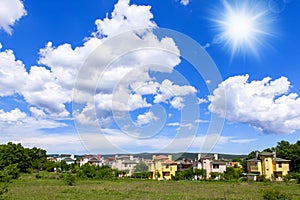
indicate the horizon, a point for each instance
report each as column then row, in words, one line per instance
column 146, row 76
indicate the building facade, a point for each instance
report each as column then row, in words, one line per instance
column 162, row 167
column 267, row 164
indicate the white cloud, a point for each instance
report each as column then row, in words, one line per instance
column 185, row 2
column 189, row 126
column 37, row 113
column 177, row 103
column 243, row 141
column 43, row 90
column 146, row 118
column 201, row 101
column 173, row 124
column 15, row 120
column 201, row 121
column 10, row 12
column 122, row 82
column 122, row 85
column 125, row 18
column 12, row 74
column 266, row 105
column 167, row 90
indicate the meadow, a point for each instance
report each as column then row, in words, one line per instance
column 53, row 186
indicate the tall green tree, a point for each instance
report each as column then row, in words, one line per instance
column 15, row 154
column 141, row 167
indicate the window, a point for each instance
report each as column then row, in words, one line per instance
column 280, row 165
column 216, row 166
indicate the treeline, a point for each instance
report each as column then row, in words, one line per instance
column 15, row 159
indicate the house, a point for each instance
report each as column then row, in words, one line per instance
column 125, row 163
column 267, row 164
column 95, row 160
column 69, row 161
column 184, row 164
column 162, row 167
column 211, row 163
column 234, row 164
column 61, row 157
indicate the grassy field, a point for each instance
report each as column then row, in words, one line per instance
column 29, row 187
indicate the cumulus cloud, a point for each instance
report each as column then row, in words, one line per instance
column 167, row 90
column 125, row 18
column 16, row 119
column 110, row 83
column 12, row 74
column 146, row 118
column 10, row 12
column 42, row 89
column 264, row 104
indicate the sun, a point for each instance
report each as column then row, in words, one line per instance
column 243, row 27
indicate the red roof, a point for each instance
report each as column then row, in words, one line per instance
column 160, row 157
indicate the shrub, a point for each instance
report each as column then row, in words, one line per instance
column 38, row 176
column 275, row 194
column 262, row 178
column 140, row 175
column 244, row 179
column 3, row 190
column 69, row 179
column 9, row 172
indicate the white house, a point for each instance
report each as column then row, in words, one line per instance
column 211, row 164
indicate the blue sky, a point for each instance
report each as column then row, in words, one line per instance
column 149, row 76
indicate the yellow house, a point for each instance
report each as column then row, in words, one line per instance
column 267, row 164
column 162, row 167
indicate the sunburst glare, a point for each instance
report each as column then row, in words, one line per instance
column 243, row 27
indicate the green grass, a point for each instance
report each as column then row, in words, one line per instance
column 50, row 186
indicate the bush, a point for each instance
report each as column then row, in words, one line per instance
column 69, row 179
column 38, row 176
column 140, row 175
column 275, row 194
column 9, row 172
column 3, row 190
column 262, row 178
column 244, row 179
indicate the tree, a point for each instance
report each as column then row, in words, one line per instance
column 15, row 154
column 200, row 173
column 291, row 152
column 233, row 173
column 251, row 155
column 38, row 158
column 141, row 167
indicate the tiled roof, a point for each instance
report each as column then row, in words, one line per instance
column 170, row 162
column 253, row 160
column 266, row 154
column 160, row 157
column 281, row 160
column 218, row 162
column 129, row 162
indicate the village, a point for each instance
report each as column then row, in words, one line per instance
column 164, row 167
